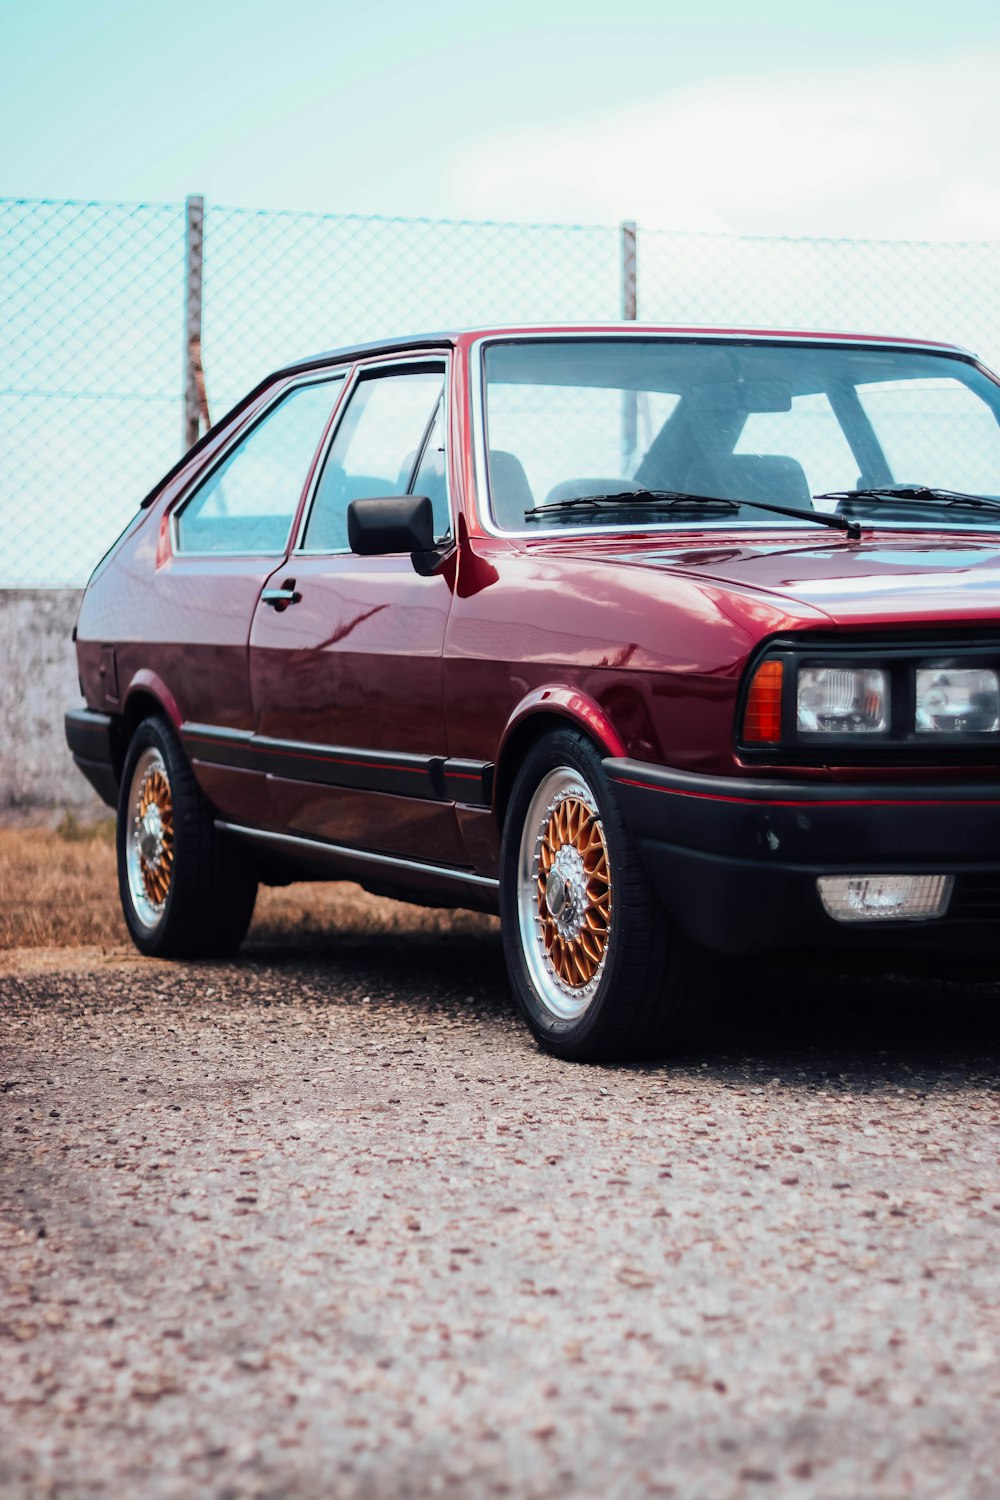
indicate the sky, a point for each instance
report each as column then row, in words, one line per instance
column 858, row 118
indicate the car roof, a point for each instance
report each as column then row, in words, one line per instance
column 466, row 336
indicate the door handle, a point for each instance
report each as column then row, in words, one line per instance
column 280, row 599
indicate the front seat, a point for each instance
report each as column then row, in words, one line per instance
column 752, row 476
column 509, row 490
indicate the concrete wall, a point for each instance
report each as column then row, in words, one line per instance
column 38, row 682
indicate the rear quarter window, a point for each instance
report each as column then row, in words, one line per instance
column 248, row 501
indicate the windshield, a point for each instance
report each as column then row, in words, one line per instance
column 569, row 418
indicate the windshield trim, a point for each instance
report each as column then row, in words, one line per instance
column 477, row 384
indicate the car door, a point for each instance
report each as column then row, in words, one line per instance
column 226, row 535
column 346, row 675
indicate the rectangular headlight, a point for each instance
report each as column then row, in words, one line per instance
column 842, row 700
column 957, row 700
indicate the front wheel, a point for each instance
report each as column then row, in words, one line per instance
column 596, row 968
column 185, row 891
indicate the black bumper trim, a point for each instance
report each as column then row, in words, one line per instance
column 735, row 861
column 90, row 737
column 755, row 789
column 782, row 822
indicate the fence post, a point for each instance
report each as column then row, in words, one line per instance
column 195, row 396
column 630, row 298
column 630, row 303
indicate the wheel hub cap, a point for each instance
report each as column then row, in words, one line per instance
column 566, row 892
column 151, row 834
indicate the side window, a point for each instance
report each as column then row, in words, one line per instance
column 248, row 502
column 374, row 450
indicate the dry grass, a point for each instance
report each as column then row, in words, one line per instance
column 58, row 889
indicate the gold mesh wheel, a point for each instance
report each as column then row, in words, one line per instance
column 150, row 838
column 564, row 893
column 575, row 947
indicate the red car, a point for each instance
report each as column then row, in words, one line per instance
column 655, row 640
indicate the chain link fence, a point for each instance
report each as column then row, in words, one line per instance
column 97, row 316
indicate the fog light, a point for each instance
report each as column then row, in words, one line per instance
column 885, row 898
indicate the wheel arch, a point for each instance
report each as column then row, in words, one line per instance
column 542, row 711
column 145, row 695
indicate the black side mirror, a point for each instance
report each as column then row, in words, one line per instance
column 394, row 523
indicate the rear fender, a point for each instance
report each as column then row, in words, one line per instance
column 146, row 684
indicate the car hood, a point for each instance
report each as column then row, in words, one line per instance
column 887, row 576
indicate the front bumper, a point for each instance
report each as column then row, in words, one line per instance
column 735, row 860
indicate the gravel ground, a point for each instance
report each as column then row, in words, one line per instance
column 328, row 1224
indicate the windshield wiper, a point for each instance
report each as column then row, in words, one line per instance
column 621, row 499
column 922, row 493
column 678, row 499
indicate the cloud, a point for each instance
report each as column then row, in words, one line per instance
column 904, row 150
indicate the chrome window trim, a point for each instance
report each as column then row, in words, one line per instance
column 243, row 431
column 384, row 364
column 480, row 436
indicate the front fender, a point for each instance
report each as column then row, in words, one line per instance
column 555, row 701
column 568, row 703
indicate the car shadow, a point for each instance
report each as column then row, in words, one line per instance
column 860, row 1022
column 431, row 971
column 867, row 1019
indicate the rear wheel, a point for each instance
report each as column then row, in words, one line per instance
column 595, row 965
column 185, row 891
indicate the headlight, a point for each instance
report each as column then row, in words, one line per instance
column 868, row 700
column 842, row 700
column 957, row 700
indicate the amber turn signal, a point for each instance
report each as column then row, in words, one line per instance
column 762, row 715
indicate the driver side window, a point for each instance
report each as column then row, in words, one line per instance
column 389, row 435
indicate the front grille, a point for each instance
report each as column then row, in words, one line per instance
column 976, row 898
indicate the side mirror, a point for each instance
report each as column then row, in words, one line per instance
column 396, row 523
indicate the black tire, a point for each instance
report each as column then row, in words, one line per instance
column 640, row 992
column 186, row 892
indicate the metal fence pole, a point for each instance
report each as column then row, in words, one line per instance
column 630, row 302
column 195, row 399
column 630, row 297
